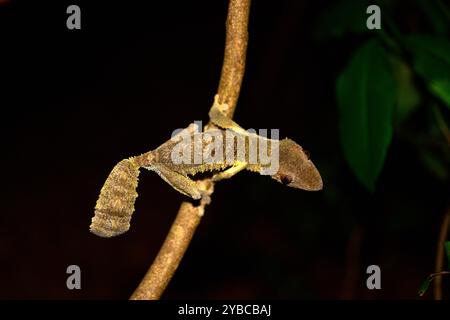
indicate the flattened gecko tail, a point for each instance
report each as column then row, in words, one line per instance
column 106, row 225
column 115, row 204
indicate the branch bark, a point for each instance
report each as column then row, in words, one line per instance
column 235, row 53
column 188, row 218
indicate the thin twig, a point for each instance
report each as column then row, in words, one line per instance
column 166, row 263
column 183, row 228
column 235, row 53
column 429, row 279
column 440, row 254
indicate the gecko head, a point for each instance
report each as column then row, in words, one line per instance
column 296, row 169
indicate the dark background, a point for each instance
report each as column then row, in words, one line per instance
column 74, row 103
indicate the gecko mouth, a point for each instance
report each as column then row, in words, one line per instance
column 286, row 180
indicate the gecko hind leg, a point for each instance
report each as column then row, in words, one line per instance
column 227, row 174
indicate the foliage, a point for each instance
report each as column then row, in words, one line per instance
column 366, row 98
column 388, row 78
column 392, row 75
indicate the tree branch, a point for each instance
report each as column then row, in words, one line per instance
column 235, row 53
column 183, row 228
column 166, row 263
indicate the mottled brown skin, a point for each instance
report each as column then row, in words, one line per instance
column 115, row 204
column 116, row 201
column 296, row 169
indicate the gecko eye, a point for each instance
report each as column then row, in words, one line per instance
column 286, row 179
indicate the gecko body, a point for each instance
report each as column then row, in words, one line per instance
column 191, row 152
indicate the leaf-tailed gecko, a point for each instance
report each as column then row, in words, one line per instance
column 115, row 204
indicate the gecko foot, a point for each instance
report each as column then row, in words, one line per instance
column 206, row 188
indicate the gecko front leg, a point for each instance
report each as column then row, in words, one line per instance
column 219, row 118
column 178, row 181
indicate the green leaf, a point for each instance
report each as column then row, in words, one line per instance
column 424, row 286
column 441, row 89
column 434, row 165
column 432, row 62
column 366, row 100
column 447, row 251
column 344, row 16
column 408, row 98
